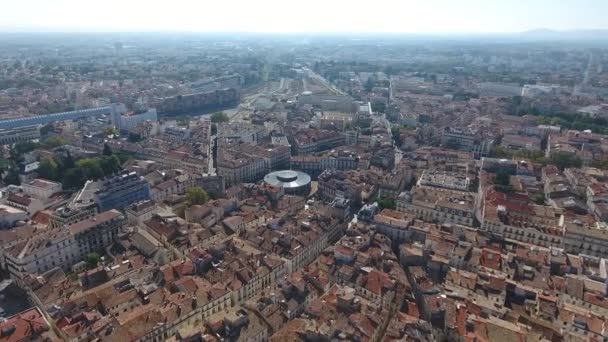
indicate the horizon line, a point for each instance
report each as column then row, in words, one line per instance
column 541, row 30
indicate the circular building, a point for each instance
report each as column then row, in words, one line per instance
column 293, row 182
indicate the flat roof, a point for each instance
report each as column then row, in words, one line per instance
column 42, row 183
column 100, row 218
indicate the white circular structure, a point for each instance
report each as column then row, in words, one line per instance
column 293, row 182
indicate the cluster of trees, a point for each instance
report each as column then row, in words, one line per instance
column 539, row 198
column 134, row 137
column 560, row 159
column 465, row 96
column 575, row 121
column 579, row 121
column 16, row 156
column 19, row 149
column 386, row 203
column 565, row 160
column 600, row 164
column 378, row 107
column 535, row 156
column 196, row 196
column 54, row 141
column 73, row 174
column 219, row 117
column 502, row 181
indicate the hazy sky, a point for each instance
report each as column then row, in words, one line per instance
column 420, row 16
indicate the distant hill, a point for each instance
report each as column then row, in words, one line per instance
column 549, row 34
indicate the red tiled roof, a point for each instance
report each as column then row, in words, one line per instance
column 41, row 217
column 20, row 199
column 28, row 324
column 490, row 259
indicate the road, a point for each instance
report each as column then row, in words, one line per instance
column 579, row 89
column 325, row 83
column 247, row 102
column 210, row 169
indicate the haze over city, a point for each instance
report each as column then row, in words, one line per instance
column 280, row 16
column 304, row 171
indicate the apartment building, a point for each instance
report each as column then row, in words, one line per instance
column 240, row 132
column 306, row 141
column 339, row 160
column 128, row 121
column 63, row 247
column 438, row 205
column 520, row 142
column 41, row 188
column 445, row 180
column 465, row 140
column 353, row 185
column 514, row 217
column 119, row 191
column 21, row 134
column 139, row 212
column 240, row 168
column 276, row 157
column 583, row 239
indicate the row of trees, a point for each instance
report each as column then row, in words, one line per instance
column 560, row 159
column 73, row 174
column 517, row 105
column 19, row 149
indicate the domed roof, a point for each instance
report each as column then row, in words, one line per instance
column 287, row 179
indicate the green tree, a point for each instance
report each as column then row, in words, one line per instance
column 55, row 141
column 69, row 161
column 25, row 147
column 219, row 117
column 386, row 203
column 107, row 151
column 378, row 107
column 502, row 178
column 539, row 199
column 73, row 179
column 92, row 259
column 196, row 196
column 396, row 132
column 123, row 156
column 90, row 167
column 500, row 152
column 565, row 159
column 600, row 164
column 12, row 177
column 502, row 182
column 110, row 131
column 5, row 164
column 369, row 84
column 48, row 169
column 109, row 164
column 134, row 137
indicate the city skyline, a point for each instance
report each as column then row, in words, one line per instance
column 315, row 16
